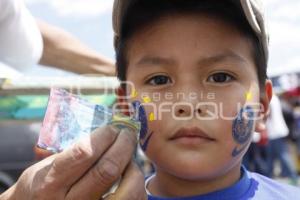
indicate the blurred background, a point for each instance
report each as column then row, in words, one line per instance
column 90, row 21
column 22, row 109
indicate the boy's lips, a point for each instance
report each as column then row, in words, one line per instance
column 191, row 133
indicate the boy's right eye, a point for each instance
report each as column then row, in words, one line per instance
column 159, row 80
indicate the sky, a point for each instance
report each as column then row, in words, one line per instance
column 90, row 21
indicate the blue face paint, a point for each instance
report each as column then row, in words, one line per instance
column 242, row 129
column 142, row 117
column 236, row 151
column 144, row 145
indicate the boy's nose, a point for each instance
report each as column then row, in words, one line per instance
column 187, row 110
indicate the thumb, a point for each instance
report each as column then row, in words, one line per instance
column 132, row 185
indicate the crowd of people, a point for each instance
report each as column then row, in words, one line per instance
column 277, row 142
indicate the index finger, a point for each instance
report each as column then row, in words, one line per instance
column 101, row 177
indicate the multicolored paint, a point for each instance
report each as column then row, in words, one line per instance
column 242, row 128
column 144, row 137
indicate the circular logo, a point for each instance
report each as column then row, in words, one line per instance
column 243, row 125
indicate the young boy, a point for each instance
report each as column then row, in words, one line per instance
column 199, row 70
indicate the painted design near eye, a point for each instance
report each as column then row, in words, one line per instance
column 242, row 129
column 144, row 145
column 134, row 93
column 159, row 80
column 220, row 77
column 249, row 96
column 144, row 138
column 151, row 117
column 147, row 100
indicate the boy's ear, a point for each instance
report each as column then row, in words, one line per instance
column 265, row 99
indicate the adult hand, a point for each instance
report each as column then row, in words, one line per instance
column 86, row 171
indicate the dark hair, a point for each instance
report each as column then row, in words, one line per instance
column 145, row 12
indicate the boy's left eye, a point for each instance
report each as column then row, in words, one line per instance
column 159, row 80
column 220, row 77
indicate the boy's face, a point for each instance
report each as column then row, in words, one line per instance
column 194, row 74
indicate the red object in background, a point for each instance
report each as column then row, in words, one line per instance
column 263, row 138
column 293, row 93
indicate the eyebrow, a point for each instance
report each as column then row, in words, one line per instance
column 156, row 60
column 229, row 55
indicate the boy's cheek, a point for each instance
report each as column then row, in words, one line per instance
column 236, row 124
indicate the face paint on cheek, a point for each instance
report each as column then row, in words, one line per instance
column 144, row 137
column 242, row 129
column 144, row 145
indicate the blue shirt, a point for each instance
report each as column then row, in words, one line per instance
column 251, row 186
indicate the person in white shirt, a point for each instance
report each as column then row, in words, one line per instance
column 25, row 42
column 278, row 147
column 21, row 44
